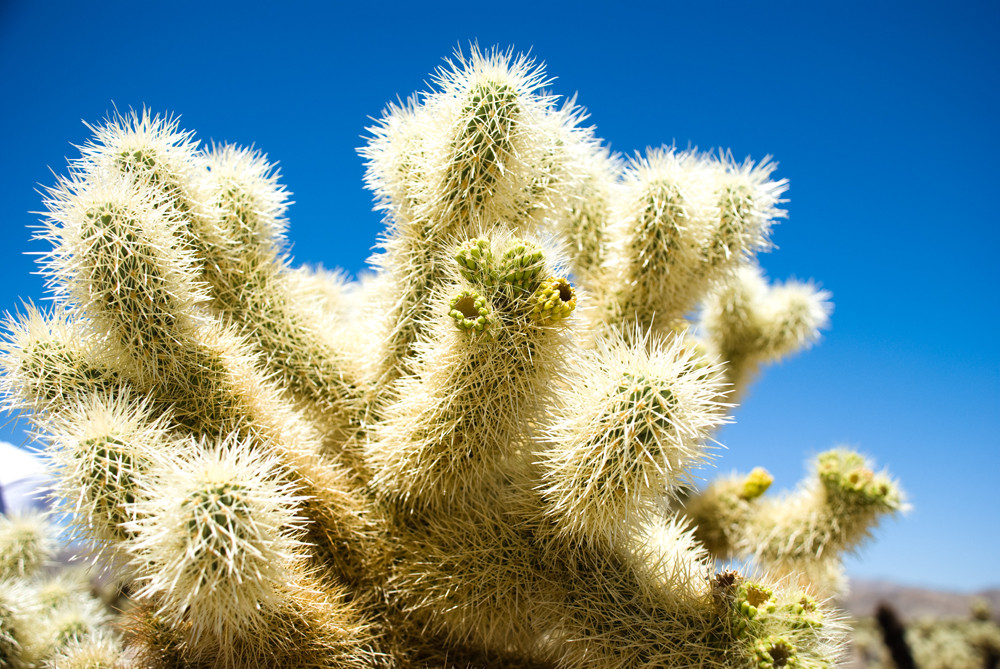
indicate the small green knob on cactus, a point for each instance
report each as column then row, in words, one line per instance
column 806, row 612
column 753, row 598
column 475, row 262
column 521, row 265
column 25, row 545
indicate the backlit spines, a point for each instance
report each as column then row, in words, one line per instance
column 682, row 223
column 721, row 511
column 229, row 214
column 748, row 323
column 628, row 434
column 490, row 154
column 217, row 538
column 801, row 534
column 478, row 388
column 250, row 204
column 503, row 475
column 487, row 143
column 585, row 228
column 133, row 247
column 748, row 202
column 251, row 287
column 101, row 449
column 836, row 509
column 50, row 360
column 117, row 257
column 26, row 544
column 161, row 160
column 662, row 217
column 127, row 268
column 486, row 146
column 120, row 258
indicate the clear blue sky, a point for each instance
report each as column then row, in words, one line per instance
column 882, row 115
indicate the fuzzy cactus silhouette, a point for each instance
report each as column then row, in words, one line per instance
column 48, row 618
column 480, row 456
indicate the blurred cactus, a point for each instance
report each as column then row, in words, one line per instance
column 480, row 455
column 47, row 614
column 934, row 643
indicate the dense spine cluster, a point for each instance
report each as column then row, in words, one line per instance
column 483, row 455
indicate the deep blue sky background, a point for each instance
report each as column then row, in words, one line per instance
column 882, row 115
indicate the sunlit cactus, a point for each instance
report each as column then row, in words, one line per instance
column 102, row 448
column 216, row 538
column 45, row 609
column 631, row 429
column 802, row 534
column 16, row 643
column 682, row 222
column 748, row 323
column 26, row 543
column 482, row 454
column 51, row 360
column 99, row 650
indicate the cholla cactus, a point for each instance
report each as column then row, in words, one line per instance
column 803, row 534
column 44, row 613
column 748, row 323
column 481, row 455
column 940, row 643
column 26, row 543
column 99, row 650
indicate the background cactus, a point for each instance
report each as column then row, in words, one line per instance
column 933, row 642
column 490, row 462
column 48, row 617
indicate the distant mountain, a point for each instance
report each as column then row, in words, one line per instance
column 911, row 602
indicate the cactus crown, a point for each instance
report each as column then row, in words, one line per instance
column 483, row 454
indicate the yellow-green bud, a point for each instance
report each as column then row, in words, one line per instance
column 522, row 265
column 774, row 652
column 475, row 262
column 756, row 484
column 806, row 612
column 846, row 475
column 753, row 598
column 470, row 312
column 553, row 301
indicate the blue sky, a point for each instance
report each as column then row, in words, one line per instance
column 883, row 116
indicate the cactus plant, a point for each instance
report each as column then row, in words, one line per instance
column 483, row 454
column 46, row 616
column 931, row 641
